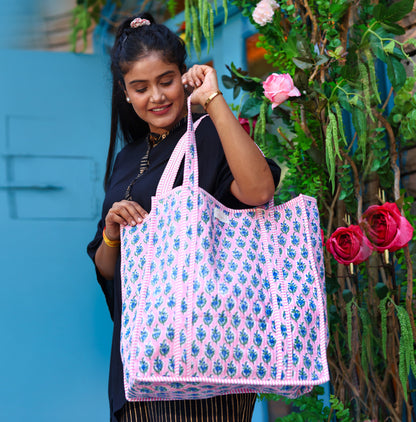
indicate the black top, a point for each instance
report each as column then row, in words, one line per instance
column 214, row 176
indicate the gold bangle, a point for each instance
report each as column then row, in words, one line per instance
column 211, row 97
column 110, row 243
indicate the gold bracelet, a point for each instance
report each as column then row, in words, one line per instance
column 211, row 97
column 110, row 243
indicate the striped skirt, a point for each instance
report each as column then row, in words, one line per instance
column 226, row 408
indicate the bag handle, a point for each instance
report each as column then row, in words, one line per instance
column 172, row 167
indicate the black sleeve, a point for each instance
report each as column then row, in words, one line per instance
column 211, row 159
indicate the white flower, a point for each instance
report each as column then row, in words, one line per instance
column 264, row 11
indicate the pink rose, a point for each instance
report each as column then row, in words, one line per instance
column 386, row 228
column 264, row 11
column 246, row 124
column 349, row 245
column 279, row 87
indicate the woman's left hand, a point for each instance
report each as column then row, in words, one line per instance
column 203, row 79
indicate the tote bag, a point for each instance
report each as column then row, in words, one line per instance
column 218, row 301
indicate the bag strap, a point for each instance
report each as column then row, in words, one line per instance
column 171, row 170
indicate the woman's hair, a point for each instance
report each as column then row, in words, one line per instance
column 130, row 45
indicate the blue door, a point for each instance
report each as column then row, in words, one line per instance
column 55, row 328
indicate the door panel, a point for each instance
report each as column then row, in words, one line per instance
column 56, row 330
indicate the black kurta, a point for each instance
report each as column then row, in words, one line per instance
column 214, row 176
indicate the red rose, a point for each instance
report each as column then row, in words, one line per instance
column 349, row 245
column 246, row 124
column 386, row 228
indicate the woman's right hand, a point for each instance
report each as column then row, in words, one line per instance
column 122, row 214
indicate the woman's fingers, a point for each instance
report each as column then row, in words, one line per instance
column 122, row 214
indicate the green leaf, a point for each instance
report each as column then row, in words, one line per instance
column 381, row 290
column 396, row 72
column 251, row 108
column 347, row 295
column 302, row 63
column 389, row 48
column 228, row 81
column 394, row 12
column 394, row 28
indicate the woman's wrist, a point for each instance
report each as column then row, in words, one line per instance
column 210, row 98
column 109, row 242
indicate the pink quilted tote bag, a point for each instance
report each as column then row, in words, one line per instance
column 217, row 300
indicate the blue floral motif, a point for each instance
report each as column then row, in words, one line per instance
column 143, row 366
column 240, row 243
column 164, row 348
column 298, row 345
column 318, row 365
column 231, row 369
column 163, row 316
column 249, row 292
column 216, row 302
column 237, row 290
column 238, row 353
column 302, row 330
column 200, row 333
column 229, row 232
column 283, row 330
column 313, row 334
column 255, row 280
column 217, row 368
column 236, row 320
column 202, row 366
column 224, row 352
column 262, row 324
column 208, row 318
column 301, row 266
column 170, row 333
column 253, row 244
column 292, row 287
column 250, row 322
column 237, row 254
column 243, row 337
column 194, row 349
column 158, row 365
column 201, row 301
column 288, row 265
column 205, row 243
column 303, row 375
column 171, row 302
column 266, row 356
column 230, row 304
column 307, row 362
column 252, row 354
column 261, row 371
column 209, row 351
column 256, row 233
column 256, row 308
column 226, row 243
column 284, row 228
column 257, row 339
column 149, row 349
column 295, row 314
column 295, row 359
column 215, row 335
column 243, row 306
column 312, row 305
column 243, row 232
column 251, row 255
column 246, row 370
column 300, row 301
column 223, row 289
column 268, row 310
column 222, row 319
column 229, row 336
column 171, row 365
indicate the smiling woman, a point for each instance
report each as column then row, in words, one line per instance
column 150, row 81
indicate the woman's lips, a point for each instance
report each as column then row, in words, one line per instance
column 161, row 110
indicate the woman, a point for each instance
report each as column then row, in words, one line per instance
column 148, row 114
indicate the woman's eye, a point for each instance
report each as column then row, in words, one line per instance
column 141, row 90
column 166, row 83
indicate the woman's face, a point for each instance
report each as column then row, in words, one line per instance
column 156, row 92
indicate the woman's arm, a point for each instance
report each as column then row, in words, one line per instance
column 253, row 182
